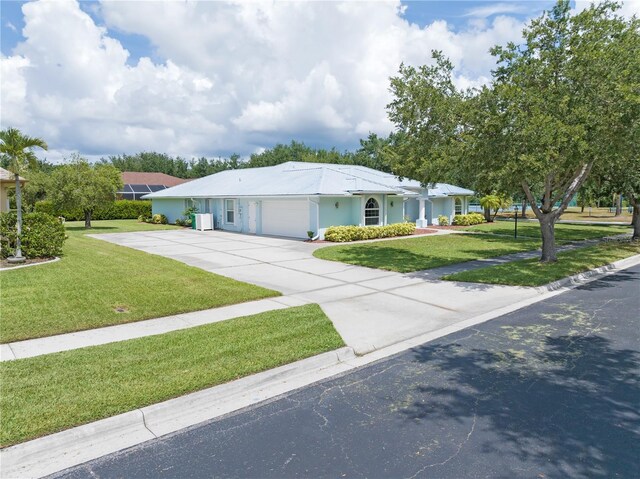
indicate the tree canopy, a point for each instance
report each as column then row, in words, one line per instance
column 560, row 104
column 81, row 185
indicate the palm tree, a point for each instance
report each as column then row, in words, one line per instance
column 18, row 149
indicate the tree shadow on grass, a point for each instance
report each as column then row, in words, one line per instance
column 564, row 406
column 397, row 258
column 93, row 229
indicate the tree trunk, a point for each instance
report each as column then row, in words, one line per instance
column 87, row 218
column 547, row 228
column 582, row 208
column 619, row 205
column 18, row 253
column 635, row 218
column 487, row 215
column 524, row 208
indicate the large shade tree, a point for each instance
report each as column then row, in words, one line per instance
column 81, row 185
column 557, row 107
column 17, row 150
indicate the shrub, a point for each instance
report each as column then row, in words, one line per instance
column 141, row 219
column 159, row 219
column 342, row 234
column 118, row 210
column 42, row 235
column 468, row 219
column 179, row 222
column 443, row 220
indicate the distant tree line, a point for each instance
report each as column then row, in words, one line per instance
column 374, row 152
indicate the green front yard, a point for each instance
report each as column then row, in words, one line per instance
column 95, row 279
column 49, row 393
column 533, row 273
column 414, row 254
column 564, row 232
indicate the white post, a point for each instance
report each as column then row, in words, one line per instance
column 421, row 222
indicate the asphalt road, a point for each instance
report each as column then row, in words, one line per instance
column 552, row 390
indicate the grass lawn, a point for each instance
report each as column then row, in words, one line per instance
column 533, row 273
column 414, row 254
column 564, row 232
column 84, row 288
column 596, row 214
column 50, row 393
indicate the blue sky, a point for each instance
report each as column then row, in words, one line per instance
column 212, row 79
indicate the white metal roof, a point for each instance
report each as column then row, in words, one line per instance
column 300, row 179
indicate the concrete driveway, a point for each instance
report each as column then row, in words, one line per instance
column 370, row 308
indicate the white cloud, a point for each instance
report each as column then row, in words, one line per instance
column 627, row 10
column 237, row 76
column 495, row 8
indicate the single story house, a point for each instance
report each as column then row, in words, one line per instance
column 293, row 198
column 136, row 184
column 7, row 182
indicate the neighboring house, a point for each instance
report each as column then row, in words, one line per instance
column 7, row 182
column 292, row 198
column 137, row 184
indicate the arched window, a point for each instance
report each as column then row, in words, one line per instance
column 371, row 212
column 458, row 206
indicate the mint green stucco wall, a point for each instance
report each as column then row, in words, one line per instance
column 394, row 213
column 171, row 208
column 322, row 211
column 344, row 214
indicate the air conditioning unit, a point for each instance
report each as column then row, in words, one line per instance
column 204, row 221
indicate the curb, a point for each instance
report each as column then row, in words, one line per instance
column 56, row 452
column 590, row 275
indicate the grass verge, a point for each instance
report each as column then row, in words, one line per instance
column 564, row 232
column 533, row 273
column 50, row 393
column 94, row 279
column 414, row 254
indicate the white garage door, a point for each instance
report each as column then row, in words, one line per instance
column 285, row 218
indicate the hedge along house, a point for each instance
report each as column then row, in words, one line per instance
column 293, row 198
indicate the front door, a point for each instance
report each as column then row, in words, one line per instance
column 253, row 216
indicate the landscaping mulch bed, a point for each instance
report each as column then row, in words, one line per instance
column 4, row 264
column 450, row 227
column 418, row 231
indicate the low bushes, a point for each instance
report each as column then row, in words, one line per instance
column 342, row 234
column 468, row 219
column 157, row 219
column 443, row 220
column 118, row 210
column 42, row 235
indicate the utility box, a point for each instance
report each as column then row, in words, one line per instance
column 204, row 221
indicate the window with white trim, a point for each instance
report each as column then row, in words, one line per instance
column 371, row 212
column 458, row 206
column 230, row 211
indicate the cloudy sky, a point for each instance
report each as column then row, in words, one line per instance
column 205, row 78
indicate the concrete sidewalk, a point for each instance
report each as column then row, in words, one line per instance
column 139, row 329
